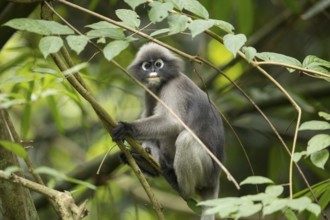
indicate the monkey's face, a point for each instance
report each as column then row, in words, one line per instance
column 154, row 72
column 154, row 66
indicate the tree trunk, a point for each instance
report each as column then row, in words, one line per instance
column 15, row 201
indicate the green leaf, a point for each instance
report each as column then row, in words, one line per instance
column 260, row 197
column 8, row 103
column 12, row 169
column 310, row 62
column 52, row 105
column 320, row 158
column 129, row 17
column 195, row 7
column 113, row 33
column 234, row 42
column 275, row 206
column 77, row 42
column 160, row 31
column 59, row 175
column 113, row 48
column 178, row 4
column 26, row 118
column 27, row 24
column 134, row 3
column 49, row 171
column 222, row 202
column 274, row 190
column 15, row 148
column 297, row 155
column 223, row 25
column 198, row 26
column 159, row 11
column 224, row 206
column 177, row 23
column 48, row 92
column 256, row 180
column 289, row 214
column 325, row 115
column 314, row 208
column 17, row 79
column 50, row 44
column 101, row 25
column 250, row 53
column 315, row 125
column 56, row 28
column 75, row 68
column 315, row 63
column 322, row 70
column 192, row 204
column 80, row 182
column 45, row 71
column 317, row 143
column 280, row 58
column 246, row 210
column 42, row 27
column 299, row 204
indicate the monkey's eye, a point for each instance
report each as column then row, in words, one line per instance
column 159, row 63
column 146, row 65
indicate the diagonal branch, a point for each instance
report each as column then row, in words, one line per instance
column 109, row 123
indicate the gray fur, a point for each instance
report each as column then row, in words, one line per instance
column 185, row 164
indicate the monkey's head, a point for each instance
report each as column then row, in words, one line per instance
column 154, row 65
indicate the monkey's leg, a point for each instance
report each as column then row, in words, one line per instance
column 209, row 193
column 192, row 164
column 169, row 174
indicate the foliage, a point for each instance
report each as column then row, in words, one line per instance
column 316, row 147
column 267, row 202
column 38, row 87
column 15, row 148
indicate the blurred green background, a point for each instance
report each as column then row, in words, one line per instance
column 66, row 134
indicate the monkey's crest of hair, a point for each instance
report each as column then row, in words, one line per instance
column 151, row 52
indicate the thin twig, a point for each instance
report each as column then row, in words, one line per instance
column 295, row 137
column 301, row 69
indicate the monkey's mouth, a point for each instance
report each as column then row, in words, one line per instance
column 153, row 78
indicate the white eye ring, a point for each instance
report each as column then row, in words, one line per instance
column 146, row 65
column 159, row 63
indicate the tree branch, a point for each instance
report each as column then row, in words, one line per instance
column 63, row 200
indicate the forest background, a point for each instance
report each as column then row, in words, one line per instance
column 61, row 129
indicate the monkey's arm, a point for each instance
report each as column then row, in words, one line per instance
column 154, row 127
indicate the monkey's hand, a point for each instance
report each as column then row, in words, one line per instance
column 121, row 130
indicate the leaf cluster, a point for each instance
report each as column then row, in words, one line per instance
column 268, row 202
column 318, row 144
